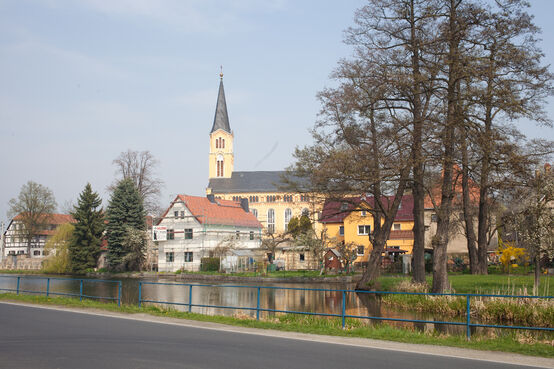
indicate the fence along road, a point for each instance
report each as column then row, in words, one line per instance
column 38, row 337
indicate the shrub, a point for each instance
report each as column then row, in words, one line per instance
column 209, row 264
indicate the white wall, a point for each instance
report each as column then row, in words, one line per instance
column 204, row 239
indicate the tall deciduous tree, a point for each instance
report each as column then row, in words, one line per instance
column 140, row 168
column 124, row 210
column 33, row 207
column 84, row 248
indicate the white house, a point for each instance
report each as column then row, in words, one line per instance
column 16, row 244
column 193, row 226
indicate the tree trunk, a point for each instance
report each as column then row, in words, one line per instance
column 537, row 274
column 440, row 273
column 418, row 250
column 467, row 210
column 373, row 269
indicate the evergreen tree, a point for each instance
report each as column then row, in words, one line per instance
column 124, row 211
column 84, row 248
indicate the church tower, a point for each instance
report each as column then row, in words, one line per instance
column 221, row 139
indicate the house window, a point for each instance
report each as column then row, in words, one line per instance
column 188, row 257
column 20, row 252
column 237, row 235
column 188, row 233
column 302, row 257
column 170, row 234
column 364, row 230
column 176, row 214
column 287, row 198
column 363, row 213
column 288, row 215
column 396, row 227
column 271, row 221
column 360, row 250
column 182, row 215
column 255, row 212
column 341, row 231
column 169, row 257
column 251, row 235
column 434, row 218
column 271, row 198
column 36, row 252
column 305, row 212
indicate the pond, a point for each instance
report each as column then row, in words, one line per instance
column 282, row 296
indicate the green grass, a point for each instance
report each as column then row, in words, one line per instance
column 508, row 341
column 491, row 283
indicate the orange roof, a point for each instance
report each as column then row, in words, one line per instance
column 436, row 191
column 401, row 235
column 220, row 212
column 54, row 218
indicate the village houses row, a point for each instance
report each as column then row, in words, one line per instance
column 240, row 208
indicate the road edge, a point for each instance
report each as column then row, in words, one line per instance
column 445, row 351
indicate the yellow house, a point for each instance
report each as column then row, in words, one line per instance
column 351, row 222
column 267, row 201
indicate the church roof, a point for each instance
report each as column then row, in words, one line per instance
column 221, row 119
column 258, row 181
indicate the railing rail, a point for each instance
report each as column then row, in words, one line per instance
column 48, row 290
column 343, row 315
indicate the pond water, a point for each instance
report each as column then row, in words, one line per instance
column 279, row 297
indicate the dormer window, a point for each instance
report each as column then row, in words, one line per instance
column 343, row 206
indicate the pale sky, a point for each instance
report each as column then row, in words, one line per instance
column 82, row 81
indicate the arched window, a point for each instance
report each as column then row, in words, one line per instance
column 255, row 212
column 217, row 143
column 219, row 166
column 271, row 221
column 288, row 215
column 222, row 143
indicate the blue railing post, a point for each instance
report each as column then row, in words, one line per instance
column 140, row 293
column 18, row 279
column 47, row 287
column 468, row 314
column 119, row 294
column 81, row 290
column 258, row 306
column 190, row 298
column 343, row 310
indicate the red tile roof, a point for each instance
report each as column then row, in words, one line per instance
column 401, row 235
column 335, row 212
column 436, row 191
column 220, row 212
column 53, row 219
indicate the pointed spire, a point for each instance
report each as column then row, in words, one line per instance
column 221, row 119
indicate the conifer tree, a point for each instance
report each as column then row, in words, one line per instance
column 84, row 248
column 125, row 211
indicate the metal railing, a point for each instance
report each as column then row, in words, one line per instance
column 343, row 315
column 49, row 291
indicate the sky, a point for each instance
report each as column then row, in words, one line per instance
column 83, row 81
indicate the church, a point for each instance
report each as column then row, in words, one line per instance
column 272, row 206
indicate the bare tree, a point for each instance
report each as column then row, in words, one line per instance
column 33, row 208
column 140, row 167
column 532, row 218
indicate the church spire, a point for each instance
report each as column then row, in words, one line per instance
column 221, row 119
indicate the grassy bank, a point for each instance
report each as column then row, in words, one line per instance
column 508, row 341
column 494, row 310
column 482, row 284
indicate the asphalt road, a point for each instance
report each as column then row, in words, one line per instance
column 32, row 337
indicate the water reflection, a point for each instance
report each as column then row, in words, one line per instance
column 244, row 298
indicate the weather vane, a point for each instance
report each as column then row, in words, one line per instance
column 221, row 73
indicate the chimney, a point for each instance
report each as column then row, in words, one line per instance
column 211, row 198
column 244, row 204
